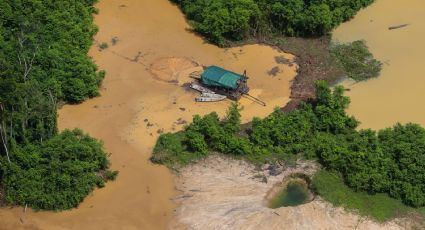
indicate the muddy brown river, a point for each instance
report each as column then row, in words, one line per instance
column 398, row 94
column 135, row 106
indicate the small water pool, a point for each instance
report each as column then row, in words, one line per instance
column 295, row 193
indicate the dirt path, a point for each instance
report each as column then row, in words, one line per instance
column 135, row 106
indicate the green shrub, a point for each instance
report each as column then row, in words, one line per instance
column 172, row 150
column 404, row 149
column 75, row 90
column 196, row 142
column 168, row 145
column 391, row 162
column 232, row 121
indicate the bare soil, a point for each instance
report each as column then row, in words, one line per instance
column 223, row 193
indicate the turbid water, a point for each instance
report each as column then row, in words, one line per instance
column 135, row 106
column 398, row 94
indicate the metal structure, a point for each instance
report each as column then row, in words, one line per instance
column 218, row 84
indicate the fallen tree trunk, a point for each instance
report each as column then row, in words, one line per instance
column 397, row 27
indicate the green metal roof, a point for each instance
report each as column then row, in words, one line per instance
column 219, row 77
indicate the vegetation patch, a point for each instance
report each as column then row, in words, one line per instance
column 330, row 186
column 171, row 149
column 357, row 61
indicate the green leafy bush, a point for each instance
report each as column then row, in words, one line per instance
column 196, row 142
column 284, row 133
column 331, row 187
column 173, row 150
column 232, row 121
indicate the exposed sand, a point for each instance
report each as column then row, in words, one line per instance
column 221, row 193
column 136, row 105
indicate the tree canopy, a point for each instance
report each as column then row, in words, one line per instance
column 58, row 174
column 237, row 19
column 43, row 61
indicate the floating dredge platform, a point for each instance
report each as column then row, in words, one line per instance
column 217, row 84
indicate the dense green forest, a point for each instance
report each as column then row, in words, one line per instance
column 43, row 61
column 58, row 173
column 219, row 20
column 389, row 161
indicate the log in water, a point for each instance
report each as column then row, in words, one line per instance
column 397, row 27
column 397, row 95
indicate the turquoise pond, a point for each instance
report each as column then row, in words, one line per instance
column 294, row 194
